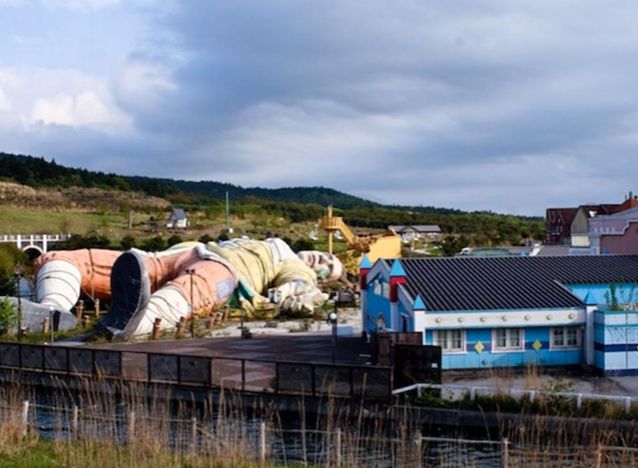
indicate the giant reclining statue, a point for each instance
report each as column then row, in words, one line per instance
column 188, row 279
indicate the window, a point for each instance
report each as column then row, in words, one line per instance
column 566, row 337
column 508, row 338
column 386, row 290
column 450, row 341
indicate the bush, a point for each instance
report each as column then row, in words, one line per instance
column 127, row 242
column 154, row 244
column 8, row 316
column 302, row 244
column 173, row 240
column 205, row 239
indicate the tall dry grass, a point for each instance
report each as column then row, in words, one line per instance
column 132, row 428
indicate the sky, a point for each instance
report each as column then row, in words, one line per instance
column 504, row 105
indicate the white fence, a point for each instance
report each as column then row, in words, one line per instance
column 36, row 241
column 452, row 392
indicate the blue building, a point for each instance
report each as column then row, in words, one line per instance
column 510, row 311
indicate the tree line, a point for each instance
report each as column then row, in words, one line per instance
column 296, row 204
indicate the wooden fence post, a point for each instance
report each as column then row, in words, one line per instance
column 131, row 427
column 262, row 444
column 156, row 329
column 25, row 417
column 179, row 328
column 75, row 421
column 338, row 448
column 505, row 453
column 599, row 456
column 193, row 434
column 79, row 310
column 418, row 449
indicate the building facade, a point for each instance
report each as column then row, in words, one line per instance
column 508, row 311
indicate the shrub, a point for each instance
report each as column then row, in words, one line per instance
column 127, row 242
column 173, row 240
column 8, row 316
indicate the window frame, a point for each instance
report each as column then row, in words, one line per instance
column 436, row 338
column 565, row 346
column 508, row 348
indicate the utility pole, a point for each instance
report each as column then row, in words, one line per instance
column 227, row 214
column 18, row 275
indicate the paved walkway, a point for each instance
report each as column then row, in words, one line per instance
column 226, row 367
column 298, row 347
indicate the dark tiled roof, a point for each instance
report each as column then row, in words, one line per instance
column 553, row 250
column 420, row 228
column 490, row 283
column 177, row 214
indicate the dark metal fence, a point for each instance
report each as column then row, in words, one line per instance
column 373, row 383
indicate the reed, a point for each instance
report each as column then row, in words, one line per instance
column 132, row 427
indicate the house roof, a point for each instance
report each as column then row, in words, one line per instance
column 178, row 213
column 492, row 283
column 420, row 228
column 565, row 213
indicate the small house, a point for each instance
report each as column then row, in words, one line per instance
column 178, row 219
column 411, row 233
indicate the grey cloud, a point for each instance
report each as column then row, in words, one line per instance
column 502, row 105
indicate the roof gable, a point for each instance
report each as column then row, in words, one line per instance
column 397, row 269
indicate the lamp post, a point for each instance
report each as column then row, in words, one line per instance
column 18, row 274
column 191, row 272
column 332, row 319
column 51, row 323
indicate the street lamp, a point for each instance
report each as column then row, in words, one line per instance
column 51, row 323
column 18, row 274
column 191, row 272
column 332, row 319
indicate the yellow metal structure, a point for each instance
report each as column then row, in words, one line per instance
column 386, row 245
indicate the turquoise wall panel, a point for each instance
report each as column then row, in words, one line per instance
column 377, row 305
column 598, row 293
column 472, row 359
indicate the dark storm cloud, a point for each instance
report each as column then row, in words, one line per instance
column 502, row 105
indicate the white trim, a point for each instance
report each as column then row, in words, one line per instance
column 505, row 318
column 385, row 290
column 496, row 350
column 404, row 298
column 419, row 323
column 454, row 352
column 378, row 269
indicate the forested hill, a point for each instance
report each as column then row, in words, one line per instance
column 37, row 172
column 297, row 204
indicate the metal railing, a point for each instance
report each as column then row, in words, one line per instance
column 34, row 237
column 247, row 375
column 455, row 391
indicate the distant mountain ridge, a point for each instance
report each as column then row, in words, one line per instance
column 297, row 204
column 38, row 172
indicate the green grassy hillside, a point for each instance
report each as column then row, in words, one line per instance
column 83, row 201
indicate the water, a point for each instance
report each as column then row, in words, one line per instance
column 287, row 442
